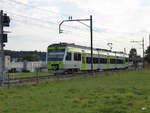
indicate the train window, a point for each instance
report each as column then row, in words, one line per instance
column 56, row 55
column 119, row 61
column 68, row 56
column 112, row 61
column 126, row 59
column 95, row 60
column 88, row 60
column 77, row 56
column 103, row 60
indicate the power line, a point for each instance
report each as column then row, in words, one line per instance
column 32, row 6
column 39, row 9
column 49, row 22
column 116, row 41
column 40, row 20
column 95, row 29
column 32, row 18
column 41, row 25
column 52, row 28
column 48, row 15
column 74, row 33
column 55, row 24
column 34, row 24
column 45, row 10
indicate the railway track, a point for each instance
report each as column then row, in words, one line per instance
column 39, row 78
column 35, row 78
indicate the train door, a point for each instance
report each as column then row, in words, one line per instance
column 83, row 63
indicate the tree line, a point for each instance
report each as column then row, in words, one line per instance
column 26, row 55
column 134, row 57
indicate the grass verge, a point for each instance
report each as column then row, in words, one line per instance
column 27, row 74
column 120, row 92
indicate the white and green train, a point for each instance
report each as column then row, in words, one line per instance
column 64, row 57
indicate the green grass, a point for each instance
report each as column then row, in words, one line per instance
column 27, row 74
column 121, row 92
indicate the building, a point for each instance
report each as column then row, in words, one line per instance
column 28, row 66
column 33, row 66
column 24, row 66
column 7, row 63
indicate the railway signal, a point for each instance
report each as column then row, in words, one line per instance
column 4, row 38
column 4, row 22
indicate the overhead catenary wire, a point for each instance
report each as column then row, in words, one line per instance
column 72, row 32
column 14, row 1
column 40, row 25
column 40, row 20
column 34, row 24
column 32, row 18
column 85, row 35
column 32, row 6
column 48, row 27
column 50, row 22
column 43, row 10
column 49, row 15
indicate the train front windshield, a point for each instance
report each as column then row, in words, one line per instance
column 56, row 55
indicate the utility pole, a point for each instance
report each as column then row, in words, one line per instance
column 91, row 32
column 143, row 51
column 142, row 48
column 1, row 50
column 125, row 50
column 4, row 22
column 149, row 39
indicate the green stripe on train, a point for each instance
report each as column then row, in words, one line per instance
column 83, row 65
column 60, row 63
column 57, row 47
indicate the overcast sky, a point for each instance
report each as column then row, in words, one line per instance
column 34, row 23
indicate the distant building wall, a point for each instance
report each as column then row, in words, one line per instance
column 7, row 63
column 30, row 66
column 18, row 66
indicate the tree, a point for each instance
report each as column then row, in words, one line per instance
column 31, row 57
column 147, row 56
column 134, row 58
column 132, row 54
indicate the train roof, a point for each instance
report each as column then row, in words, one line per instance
column 84, row 47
